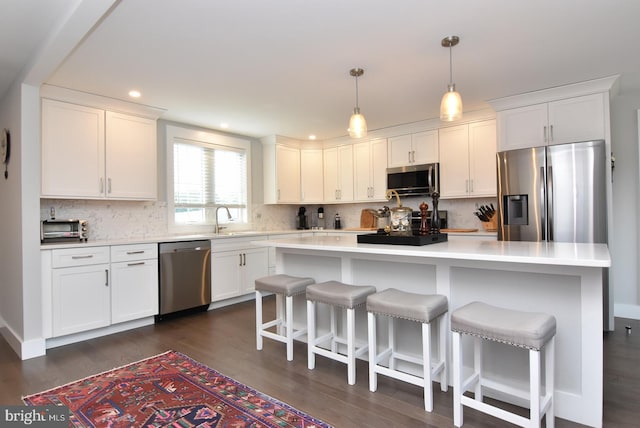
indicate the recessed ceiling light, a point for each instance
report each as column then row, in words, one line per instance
column 312, row 137
column 224, row 125
column 134, row 94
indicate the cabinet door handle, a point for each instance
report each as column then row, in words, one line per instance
column 466, row 185
column 244, row 259
column 413, row 155
column 88, row 256
column 470, row 186
column 545, row 134
column 135, row 264
column 240, row 259
column 278, row 197
column 109, row 185
column 101, row 185
column 409, row 156
column 106, row 277
column 550, row 132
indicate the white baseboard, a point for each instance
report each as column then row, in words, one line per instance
column 25, row 349
column 626, row 311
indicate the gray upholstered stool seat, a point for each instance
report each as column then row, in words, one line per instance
column 287, row 286
column 525, row 329
column 411, row 306
column 336, row 295
column 531, row 330
column 420, row 308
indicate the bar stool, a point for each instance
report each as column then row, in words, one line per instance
column 414, row 307
column 529, row 330
column 336, row 294
column 287, row 286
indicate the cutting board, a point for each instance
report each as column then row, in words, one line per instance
column 458, row 230
column 367, row 219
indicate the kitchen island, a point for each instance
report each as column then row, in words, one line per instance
column 562, row 279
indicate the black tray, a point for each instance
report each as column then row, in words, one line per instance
column 383, row 238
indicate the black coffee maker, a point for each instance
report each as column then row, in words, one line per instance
column 301, row 219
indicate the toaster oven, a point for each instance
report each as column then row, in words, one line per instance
column 64, row 230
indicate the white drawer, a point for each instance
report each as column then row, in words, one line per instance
column 127, row 253
column 70, row 257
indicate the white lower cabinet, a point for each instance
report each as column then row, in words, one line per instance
column 93, row 287
column 80, row 290
column 134, row 282
column 235, row 265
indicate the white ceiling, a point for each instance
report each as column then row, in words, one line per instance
column 282, row 66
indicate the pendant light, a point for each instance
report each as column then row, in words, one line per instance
column 451, row 104
column 357, row 124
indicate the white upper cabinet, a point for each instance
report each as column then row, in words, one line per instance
column 72, row 150
column 131, row 157
column 88, row 153
column 311, row 175
column 413, row 149
column 556, row 122
column 281, row 165
column 468, row 160
column 370, row 170
column 338, row 174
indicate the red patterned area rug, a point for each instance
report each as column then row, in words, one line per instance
column 171, row 390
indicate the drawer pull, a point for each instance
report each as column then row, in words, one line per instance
column 135, row 264
column 135, row 252
column 88, row 256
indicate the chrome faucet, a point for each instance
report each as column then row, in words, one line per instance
column 217, row 227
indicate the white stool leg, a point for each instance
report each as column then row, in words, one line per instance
column 258, row 320
column 311, row 334
column 477, row 366
column 334, row 328
column 534, row 388
column 442, row 352
column 351, row 346
column 457, row 380
column 392, row 342
column 549, row 374
column 373, row 346
column 288, row 319
column 426, row 361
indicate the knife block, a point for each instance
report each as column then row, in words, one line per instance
column 491, row 225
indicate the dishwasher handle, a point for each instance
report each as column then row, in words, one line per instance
column 182, row 250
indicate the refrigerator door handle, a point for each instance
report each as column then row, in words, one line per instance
column 550, row 201
column 542, row 205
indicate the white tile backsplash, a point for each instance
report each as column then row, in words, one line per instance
column 132, row 219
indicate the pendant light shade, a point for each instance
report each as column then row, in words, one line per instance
column 357, row 123
column 451, row 104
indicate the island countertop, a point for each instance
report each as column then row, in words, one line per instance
column 456, row 248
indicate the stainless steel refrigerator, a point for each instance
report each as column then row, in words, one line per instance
column 554, row 193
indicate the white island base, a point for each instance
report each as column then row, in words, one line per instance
column 561, row 279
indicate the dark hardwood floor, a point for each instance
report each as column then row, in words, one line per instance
column 224, row 339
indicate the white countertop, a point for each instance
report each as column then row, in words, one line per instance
column 547, row 253
column 222, row 236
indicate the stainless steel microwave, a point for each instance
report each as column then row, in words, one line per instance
column 414, row 180
column 64, row 230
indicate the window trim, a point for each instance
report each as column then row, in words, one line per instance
column 203, row 138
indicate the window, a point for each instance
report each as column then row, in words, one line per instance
column 206, row 171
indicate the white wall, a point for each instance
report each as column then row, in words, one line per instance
column 624, row 249
column 10, row 216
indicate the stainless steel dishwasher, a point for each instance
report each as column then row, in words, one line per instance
column 185, row 276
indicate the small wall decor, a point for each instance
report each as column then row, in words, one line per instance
column 5, row 151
